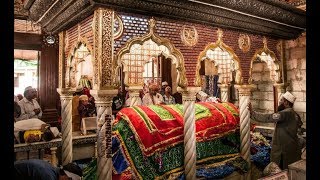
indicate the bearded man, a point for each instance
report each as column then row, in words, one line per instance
column 285, row 148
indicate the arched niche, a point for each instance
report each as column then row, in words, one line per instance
column 225, row 60
column 222, row 61
column 265, row 72
column 150, row 48
column 79, row 69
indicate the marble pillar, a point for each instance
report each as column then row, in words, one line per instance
column 66, row 95
column 190, row 156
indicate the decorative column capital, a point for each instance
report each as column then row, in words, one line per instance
column 103, row 96
column 66, row 91
column 245, row 90
column 189, row 93
column 224, row 87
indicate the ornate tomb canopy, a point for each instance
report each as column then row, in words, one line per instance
column 265, row 17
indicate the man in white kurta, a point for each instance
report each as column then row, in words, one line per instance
column 153, row 97
column 30, row 108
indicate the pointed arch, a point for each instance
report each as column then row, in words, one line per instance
column 71, row 64
column 218, row 45
column 157, row 46
column 266, row 55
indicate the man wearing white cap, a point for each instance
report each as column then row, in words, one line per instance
column 285, row 148
column 30, row 108
column 164, row 84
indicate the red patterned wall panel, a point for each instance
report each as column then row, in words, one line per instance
column 82, row 29
column 137, row 25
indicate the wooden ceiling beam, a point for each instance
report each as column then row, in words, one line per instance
column 27, row 41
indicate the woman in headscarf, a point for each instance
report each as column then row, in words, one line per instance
column 152, row 97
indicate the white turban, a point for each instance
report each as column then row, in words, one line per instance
column 164, row 83
column 288, row 96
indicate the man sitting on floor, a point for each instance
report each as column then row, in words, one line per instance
column 30, row 108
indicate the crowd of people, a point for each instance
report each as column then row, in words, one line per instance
column 151, row 94
column 28, row 123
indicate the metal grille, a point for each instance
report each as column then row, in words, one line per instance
column 143, row 64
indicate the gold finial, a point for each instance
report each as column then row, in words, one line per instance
column 220, row 34
column 264, row 42
column 152, row 24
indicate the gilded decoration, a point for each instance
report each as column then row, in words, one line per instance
column 244, row 42
column 266, row 55
column 168, row 50
column 118, row 26
column 95, row 28
column 71, row 69
column 61, row 59
column 219, row 44
column 104, row 65
column 189, row 35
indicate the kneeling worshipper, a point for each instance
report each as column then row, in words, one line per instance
column 34, row 130
column 152, row 97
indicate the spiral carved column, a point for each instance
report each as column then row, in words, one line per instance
column 134, row 94
column 244, row 99
column 224, row 92
column 102, row 108
column 103, row 101
column 66, row 125
column 190, row 156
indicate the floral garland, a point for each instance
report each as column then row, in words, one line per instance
column 258, row 139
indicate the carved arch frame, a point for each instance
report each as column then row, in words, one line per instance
column 71, row 54
column 181, row 76
column 275, row 62
column 201, row 57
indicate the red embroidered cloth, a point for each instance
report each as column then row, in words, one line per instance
column 161, row 126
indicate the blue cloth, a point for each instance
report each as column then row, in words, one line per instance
column 35, row 169
column 212, row 173
column 262, row 158
column 118, row 160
